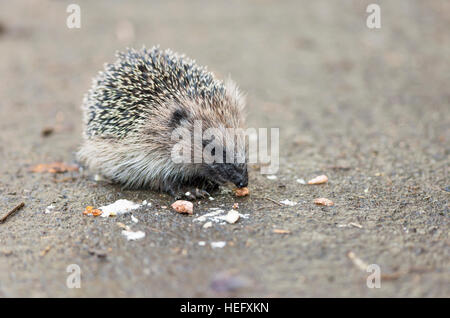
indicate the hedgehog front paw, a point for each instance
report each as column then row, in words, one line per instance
column 192, row 194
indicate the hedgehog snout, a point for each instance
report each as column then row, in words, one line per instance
column 234, row 173
column 241, row 180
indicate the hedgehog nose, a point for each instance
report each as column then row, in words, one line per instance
column 242, row 184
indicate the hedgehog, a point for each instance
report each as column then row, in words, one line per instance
column 137, row 104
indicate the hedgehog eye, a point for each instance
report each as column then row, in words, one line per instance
column 177, row 116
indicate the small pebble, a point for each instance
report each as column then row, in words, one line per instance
column 323, row 201
column 319, row 180
column 182, row 206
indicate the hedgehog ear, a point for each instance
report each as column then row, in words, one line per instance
column 235, row 94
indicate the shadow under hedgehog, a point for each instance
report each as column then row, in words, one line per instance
column 132, row 110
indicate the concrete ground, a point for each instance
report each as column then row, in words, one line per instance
column 367, row 107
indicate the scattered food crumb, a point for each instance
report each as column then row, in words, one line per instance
column 49, row 209
column 301, row 181
column 235, row 206
column 204, row 217
column 96, row 212
column 133, row 236
column 182, row 206
column 88, row 210
column 288, row 202
column 55, row 167
column 232, row 216
column 211, row 199
column 281, row 231
column 121, row 206
column 318, row 180
column 134, row 219
column 202, row 243
column 241, row 192
column 45, row 251
column 357, row 261
column 218, row 217
column 219, row 244
column 123, row 226
column 207, row 225
column 272, row 177
column 323, row 201
column 355, row 225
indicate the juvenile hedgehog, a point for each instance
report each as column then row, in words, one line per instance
column 133, row 109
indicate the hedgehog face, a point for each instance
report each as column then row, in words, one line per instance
column 227, row 166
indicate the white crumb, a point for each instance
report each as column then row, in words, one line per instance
column 301, row 181
column 219, row 244
column 134, row 219
column 288, row 202
column 121, row 206
column 133, row 236
column 49, row 209
column 272, row 177
column 218, row 216
column 202, row 243
column 207, row 225
column 232, row 216
column 204, row 217
column 99, row 177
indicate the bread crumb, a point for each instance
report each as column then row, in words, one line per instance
column 241, row 192
column 182, row 206
column 323, row 201
column 319, row 180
